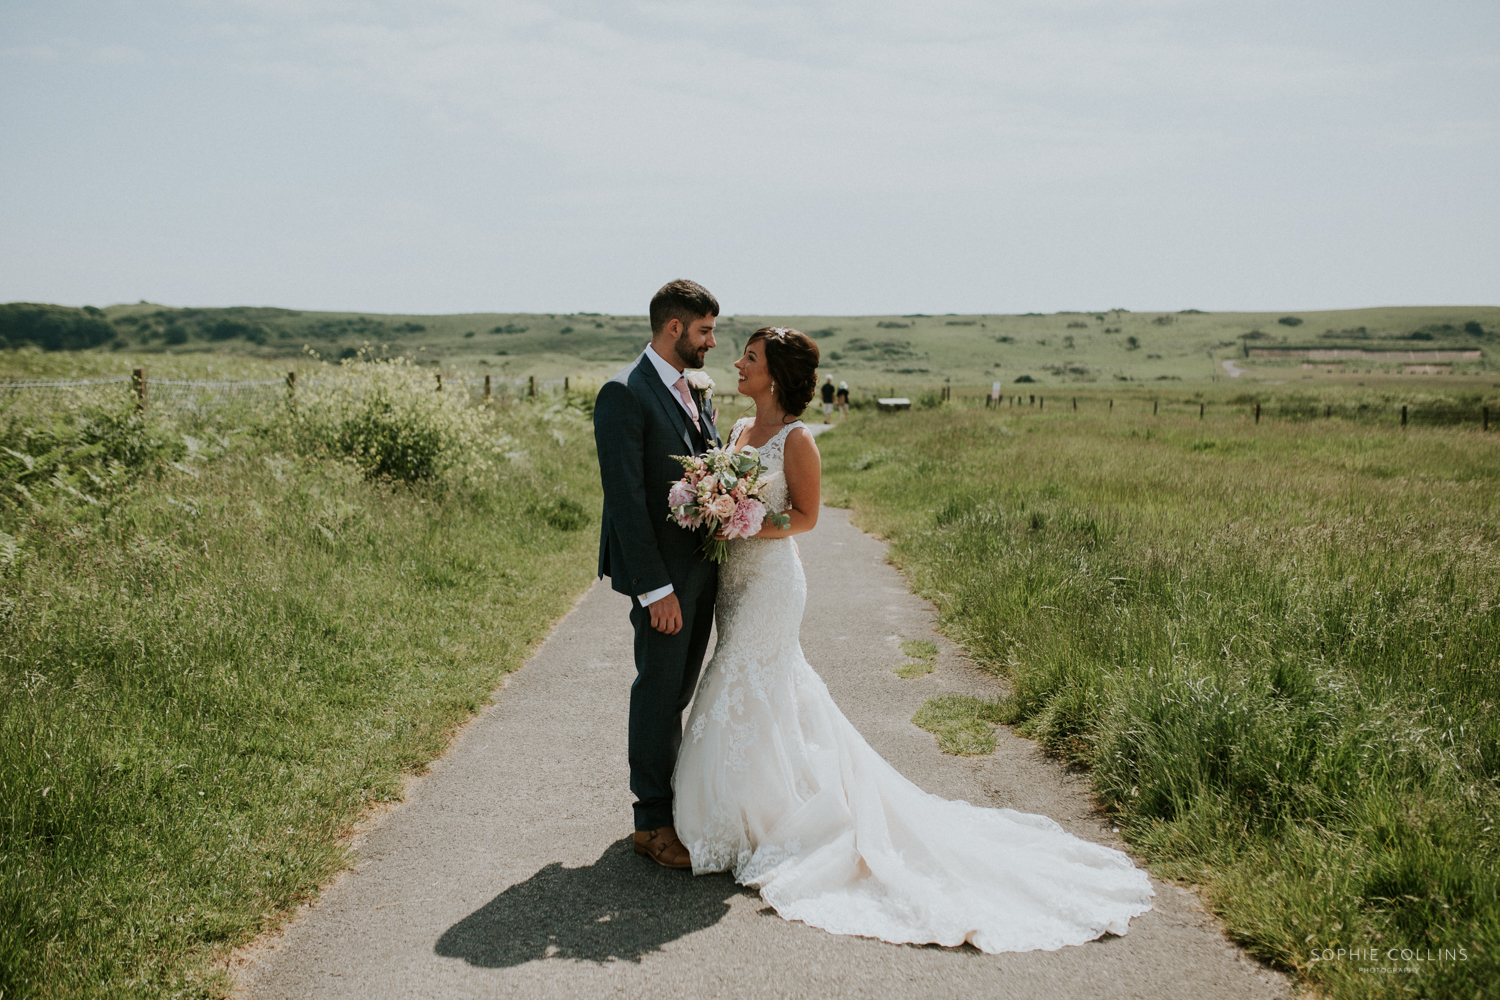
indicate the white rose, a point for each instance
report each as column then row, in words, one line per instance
column 698, row 379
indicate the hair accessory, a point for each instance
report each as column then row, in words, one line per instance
column 780, row 332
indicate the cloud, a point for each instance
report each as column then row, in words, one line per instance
column 814, row 96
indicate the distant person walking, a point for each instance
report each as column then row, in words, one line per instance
column 828, row 400
column 841, row 399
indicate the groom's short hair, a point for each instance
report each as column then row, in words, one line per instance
column 683, row 301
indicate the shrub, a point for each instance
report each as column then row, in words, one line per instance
column 1025, row 378
column 88, row 457
column 1473, row 327
column 387, row 418
column 1290, row 321
column 564, row 514
column 52, row 328
column 1132, row 342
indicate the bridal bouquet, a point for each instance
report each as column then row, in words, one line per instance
column 721, row 492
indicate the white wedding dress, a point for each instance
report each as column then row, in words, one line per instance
column 775, row 785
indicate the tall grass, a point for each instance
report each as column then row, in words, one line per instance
column 217, row 650
column 1277, row 648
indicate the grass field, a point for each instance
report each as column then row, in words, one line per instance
column 1277, row 648
column 219, row 649
column 1274, row 644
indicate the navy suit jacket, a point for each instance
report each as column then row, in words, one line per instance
column 638, row 426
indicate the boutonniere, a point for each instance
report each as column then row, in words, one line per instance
column 699, row 381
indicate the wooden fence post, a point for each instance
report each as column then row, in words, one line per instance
column 440, row 382
column 565, row 384
column 1200, row 411
column 1257, row 413
column 1154, row 404
column 1111, row 406
column 1041, row 401
column 531, row 386
column 486, row 387
column 1486, row 418
column 1403, row 414
column 138, row 382
column 1075, row 404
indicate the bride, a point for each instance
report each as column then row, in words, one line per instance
column 775, row 785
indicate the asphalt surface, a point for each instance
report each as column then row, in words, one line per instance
column 508, row 871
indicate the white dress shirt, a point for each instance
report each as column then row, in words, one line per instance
column 669, row 376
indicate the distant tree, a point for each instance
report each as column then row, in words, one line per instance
column 227, row 329
column 1290, row 321
column 1473, row 327
column 52, row 328
column 1132, row 342
column 1025, row 378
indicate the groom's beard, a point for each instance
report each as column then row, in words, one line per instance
column 689, row 355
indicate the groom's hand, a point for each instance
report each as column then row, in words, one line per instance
column 666, row 615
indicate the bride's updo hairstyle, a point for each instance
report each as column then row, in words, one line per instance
column 792, row 360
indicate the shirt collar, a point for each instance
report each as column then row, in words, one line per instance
column 664, row 369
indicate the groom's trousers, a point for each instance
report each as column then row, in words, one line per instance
column 666, row 675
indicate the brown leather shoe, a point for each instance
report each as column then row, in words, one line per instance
column 663, row 847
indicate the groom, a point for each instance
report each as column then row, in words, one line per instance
column 644, row 416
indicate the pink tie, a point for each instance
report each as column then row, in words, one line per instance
column 687, row 397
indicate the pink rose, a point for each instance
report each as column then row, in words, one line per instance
column 746, row 519
column 722, row 507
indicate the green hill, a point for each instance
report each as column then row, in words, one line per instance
column 885, row 352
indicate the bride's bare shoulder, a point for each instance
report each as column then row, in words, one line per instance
column 800, row 441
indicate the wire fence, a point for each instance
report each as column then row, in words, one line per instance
column 200, row 397
column 1476, row 410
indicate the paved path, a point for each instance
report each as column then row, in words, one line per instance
column 508, row 870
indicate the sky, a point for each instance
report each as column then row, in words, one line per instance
column 440, row 156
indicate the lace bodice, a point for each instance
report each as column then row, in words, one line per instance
column 773, row 455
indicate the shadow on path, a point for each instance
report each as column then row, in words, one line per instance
column 621, row 907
